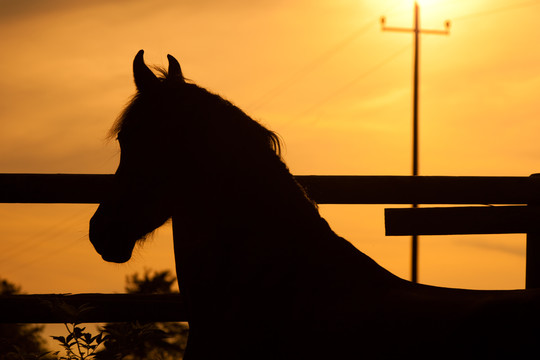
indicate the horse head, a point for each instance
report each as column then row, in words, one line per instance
column 176, row 140
column 138, row 202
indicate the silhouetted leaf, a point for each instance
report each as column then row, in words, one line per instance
column 59, row 339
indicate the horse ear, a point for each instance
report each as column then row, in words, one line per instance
column 144, row 77
column 175, row 72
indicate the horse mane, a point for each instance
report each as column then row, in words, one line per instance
column 171, row 84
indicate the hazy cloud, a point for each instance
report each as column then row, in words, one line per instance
column 12, row 9
column 23, row 8
column 497, row 245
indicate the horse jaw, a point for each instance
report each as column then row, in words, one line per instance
column 113, row 243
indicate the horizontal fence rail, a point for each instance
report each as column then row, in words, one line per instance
column 87, row 308
column 447, row 190
column 461, row 220
column 92, row 188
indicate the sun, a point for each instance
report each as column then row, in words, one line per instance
column 435, row 13
column 428, row 2
column 429, row 9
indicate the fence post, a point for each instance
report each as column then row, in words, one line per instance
column 532, row 271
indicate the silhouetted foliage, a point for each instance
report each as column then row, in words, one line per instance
column 157, row 282
column 79, row 344
column 19, row 341
column 135, row 340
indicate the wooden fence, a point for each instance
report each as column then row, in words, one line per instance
column 519, row 195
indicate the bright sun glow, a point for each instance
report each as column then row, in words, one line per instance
column 432, row 12
column 428, row 2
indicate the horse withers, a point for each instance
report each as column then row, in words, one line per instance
column 262, row 273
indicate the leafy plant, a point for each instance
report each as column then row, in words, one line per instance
column 79, row 344
column 153, row 340
column 133, row 340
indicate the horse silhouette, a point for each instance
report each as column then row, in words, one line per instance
column 262, row 273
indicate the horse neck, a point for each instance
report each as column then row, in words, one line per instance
column 259, row 217
column 268, row 194
column 254, row 195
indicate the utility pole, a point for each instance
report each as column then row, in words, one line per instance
column 416, row 30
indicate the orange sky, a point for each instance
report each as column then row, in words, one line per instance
column 320, row 73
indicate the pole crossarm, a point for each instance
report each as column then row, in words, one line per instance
column 435, row 32
column 421, row 31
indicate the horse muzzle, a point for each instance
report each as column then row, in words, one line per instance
column 110, row 242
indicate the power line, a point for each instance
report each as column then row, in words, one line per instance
column 305, row 70
column 499, row 10
column 311, row 66
column 354, row 81
column 44, row 237
column 51, row 253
